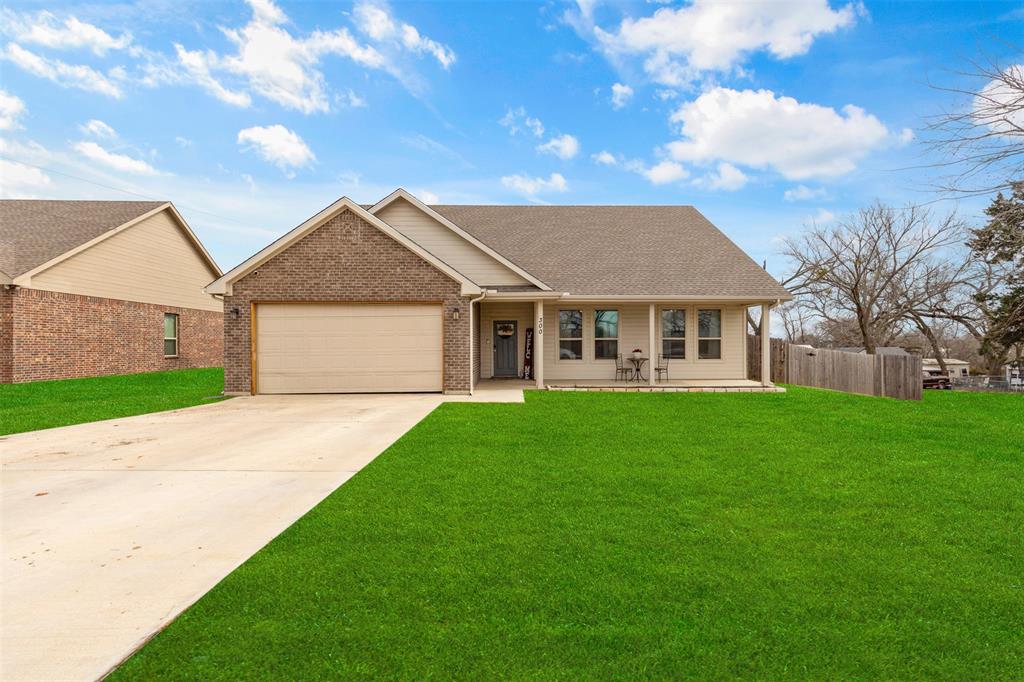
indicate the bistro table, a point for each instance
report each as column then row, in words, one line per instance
column 638, row 363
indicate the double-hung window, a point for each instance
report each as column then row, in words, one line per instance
column 673, row 333
column 170, row 335
column 709, row 334
column 570, row 334
column 606, row 334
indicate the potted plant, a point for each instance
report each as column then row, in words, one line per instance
column 637, row 352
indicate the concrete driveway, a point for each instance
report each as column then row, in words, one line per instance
column 111, row 529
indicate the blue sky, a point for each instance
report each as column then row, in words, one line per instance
column 251, row 116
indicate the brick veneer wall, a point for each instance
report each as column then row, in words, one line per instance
column 61, row 336
column 6, row 334
column 346, row 259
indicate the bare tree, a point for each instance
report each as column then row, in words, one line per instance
column 876, row 268
column 982, row 141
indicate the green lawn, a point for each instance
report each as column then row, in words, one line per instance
column 807, row 535
column 44, row 404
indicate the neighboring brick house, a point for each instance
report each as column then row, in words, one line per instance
column 405, row 297
column 90, row 288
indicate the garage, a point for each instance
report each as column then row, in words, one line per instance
column 348, row 347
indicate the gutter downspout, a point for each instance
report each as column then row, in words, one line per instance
column 482, row 296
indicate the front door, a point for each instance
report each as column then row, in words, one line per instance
column 505, row 351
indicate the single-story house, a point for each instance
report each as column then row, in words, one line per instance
column 401, row 296
column 954, row 368
column 89, row 288
column 879, row 350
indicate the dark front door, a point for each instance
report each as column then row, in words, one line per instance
column 505, row 352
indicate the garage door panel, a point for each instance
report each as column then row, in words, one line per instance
column 334, row 348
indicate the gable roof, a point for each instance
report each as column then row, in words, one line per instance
column 222, row 285
column 37, row 234
column 402, row 194
column 619, row 250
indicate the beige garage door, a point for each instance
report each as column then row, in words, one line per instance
column 347, row 348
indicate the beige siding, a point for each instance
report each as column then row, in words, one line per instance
column 446, row 245
column 522, row 313
column 634, row 333
column 151, row 262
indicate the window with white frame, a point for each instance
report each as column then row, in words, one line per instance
column 170, row 335
column 673, row 333
column 709, row 334
column 570, row 334
column 606, row 334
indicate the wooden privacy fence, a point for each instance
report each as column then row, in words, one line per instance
column 894, row 376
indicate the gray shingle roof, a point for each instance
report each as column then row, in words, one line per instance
column 618, row 250
column 33, row 232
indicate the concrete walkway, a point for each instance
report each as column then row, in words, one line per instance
column 111, row 529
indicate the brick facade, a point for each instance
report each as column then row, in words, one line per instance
column 52, row 335
column 345, row 260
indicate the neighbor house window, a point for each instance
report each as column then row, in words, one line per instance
column 673, row 333
column 170, row 335
column 606, row 334
column 709, row 334
column 570, row 334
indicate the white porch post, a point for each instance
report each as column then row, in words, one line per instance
column 766, row 345
column 650, row 344
column 538, row 343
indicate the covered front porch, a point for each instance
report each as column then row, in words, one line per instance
column 493, row 386
column 561, row 342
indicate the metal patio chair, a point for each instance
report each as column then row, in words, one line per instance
column 662, row 367
column 622, row 373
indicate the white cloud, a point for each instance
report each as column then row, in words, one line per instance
column 679, row 44
column 97, row 128
column 759, row 130
column 621, row 94
column 21, row 181
column 662, row 173
column 182, row 141
column 271, row 61
column 728, row 177
column 564, row 147
column 999, row 105
column 517, row 120
column 198, row 64
column 428, row 197
column 804, row 193
column 823, row 216
column 605, row 158
column 531, row 187
column 375, row 20
column 11, row 109
column 43, row 28
column 118, row 162
column 277, row 144
column 905, row 137
column 63, row 74
column 349, row 100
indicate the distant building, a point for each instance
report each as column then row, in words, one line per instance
column 880, row 350
column 954, row 368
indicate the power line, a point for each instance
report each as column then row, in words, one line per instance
column 119, row 189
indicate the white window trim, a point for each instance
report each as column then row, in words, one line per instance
column 720, row 338
column 176, row 337
column 618, row 333
column 687, row 355
column 582, row 338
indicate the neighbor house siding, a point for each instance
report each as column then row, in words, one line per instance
column 151, row 262
column 634, row 321
column 345, row 260
column 446, row 245
column 56, row 335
